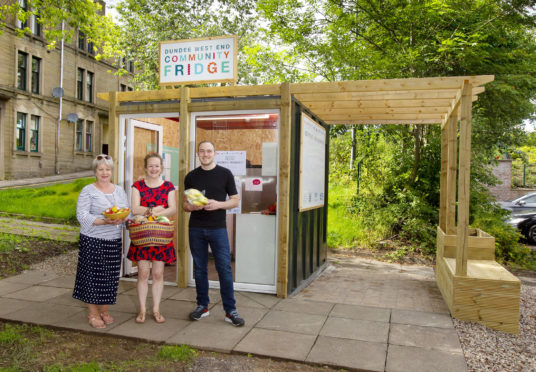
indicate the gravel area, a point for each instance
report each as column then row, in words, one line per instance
column 489, row 350
column 484, row 349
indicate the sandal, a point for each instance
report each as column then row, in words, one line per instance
column 96, row 321
column 107, row 318
column 159, row 318
column 141, row 317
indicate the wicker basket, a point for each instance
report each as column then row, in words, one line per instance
column 151, row 233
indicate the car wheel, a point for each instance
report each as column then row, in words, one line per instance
column 531, row 234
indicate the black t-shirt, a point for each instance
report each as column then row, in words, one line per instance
column 215, row 184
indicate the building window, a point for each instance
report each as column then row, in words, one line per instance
column 36, row 26
column 90, row 48
column 24, row 6
column 22, row 67
column 89, row 86
column 21, row 131
column 89, row 136
column 36, row 72
column 81, row 40
column 131, row 66
column 34, row 133
column 130, row 89
column 80, row 84
column 79, row 134
column 122, row 87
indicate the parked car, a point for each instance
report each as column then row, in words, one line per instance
column 523, row 204
column 526, row 223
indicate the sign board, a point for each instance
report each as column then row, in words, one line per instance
column 312, row 164
column 235, row 161
column 205, row 60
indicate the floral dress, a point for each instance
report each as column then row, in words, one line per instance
column 152, row 197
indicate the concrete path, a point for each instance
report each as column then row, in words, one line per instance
column 357, row 315
column 44, row 181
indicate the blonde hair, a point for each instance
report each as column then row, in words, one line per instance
column 102, row 159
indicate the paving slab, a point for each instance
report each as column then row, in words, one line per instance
column 292, row 322
column 9, row 305
column 125, row 285
column 445, row 339
column 277, row 344
column 176, row 309
column 169, row 291
column 421, row 318
column 80, row 321
column 150, row 330
column 188, row 294
column 355, row 329
column 359, row 355
column 304, row 306
column 361, row 312
column 38, row 293
column 126, row 304
column 67, row 299
column 217, row 336
column 10, row 287
column 31, row 277
column 66, row 281
column 44, row 313
column 263, row 299
column 418, row 359
column 251, row 315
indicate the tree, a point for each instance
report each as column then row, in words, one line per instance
column 85, row 15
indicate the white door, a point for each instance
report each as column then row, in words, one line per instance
column 141, row 139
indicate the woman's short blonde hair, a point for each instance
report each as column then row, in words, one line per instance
column 103, row 159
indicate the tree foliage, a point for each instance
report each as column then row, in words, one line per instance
column 85, row 15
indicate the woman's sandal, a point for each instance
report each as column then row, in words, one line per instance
column 141, row 317
column 107, row 318
column 159, row 318
column 96, row 321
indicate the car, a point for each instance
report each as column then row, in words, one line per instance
column 526, row 203
column 526, row 223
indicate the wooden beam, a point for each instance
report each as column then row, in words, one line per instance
column 283, row 207
column 453, row 107
column 379, row 122
column 113, row 127
column 443, row 180
column 450, row 82
column 464, row 179
column 237, row 90
column 439, row 104
column 331, row 117
column 184, row 167
column 378, row 110
column 452, row 131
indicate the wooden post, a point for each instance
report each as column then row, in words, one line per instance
column 464, row 180
column 443, row 179
column 284, row 187
column 184, row 166
column 113, row 125
column 452, row 168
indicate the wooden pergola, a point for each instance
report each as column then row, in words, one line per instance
column 471, row 292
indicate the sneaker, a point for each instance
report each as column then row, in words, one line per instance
column 234, row 319
column 199, row 312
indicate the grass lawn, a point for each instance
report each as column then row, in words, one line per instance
column 56, row 201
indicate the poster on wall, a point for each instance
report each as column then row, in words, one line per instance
column 235, row 161
column 312, row 164
column 203, row 60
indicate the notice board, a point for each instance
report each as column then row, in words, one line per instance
column 312, row 164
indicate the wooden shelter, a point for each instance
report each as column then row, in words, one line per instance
column 473, row 285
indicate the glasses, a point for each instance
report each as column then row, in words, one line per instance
column 102, row 157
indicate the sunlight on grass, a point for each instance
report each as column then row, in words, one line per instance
column 57, row 201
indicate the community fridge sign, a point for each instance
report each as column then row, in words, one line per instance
column 204, row 60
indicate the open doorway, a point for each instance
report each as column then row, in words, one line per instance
column 246, row 142
column 146, row 133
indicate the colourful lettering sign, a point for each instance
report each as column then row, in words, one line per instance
column 205, row 60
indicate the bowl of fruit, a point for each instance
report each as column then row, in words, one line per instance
column 116, row 213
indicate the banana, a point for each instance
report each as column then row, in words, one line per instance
column 195, row 197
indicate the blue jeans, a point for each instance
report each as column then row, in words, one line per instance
column 200, row 238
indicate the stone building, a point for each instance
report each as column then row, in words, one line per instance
column 34, row 140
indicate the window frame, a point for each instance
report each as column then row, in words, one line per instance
column 21, row 130
column 88, row 137
column 79, row 136
column 81, row 41
column 90, row 86
column 22, row 70
column 35, row 76
column 35, row 123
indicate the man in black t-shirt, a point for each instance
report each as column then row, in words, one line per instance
column 207, row 226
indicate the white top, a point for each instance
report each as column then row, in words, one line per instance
column 91, row 203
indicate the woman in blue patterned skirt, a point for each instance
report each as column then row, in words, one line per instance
column 99, row 256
